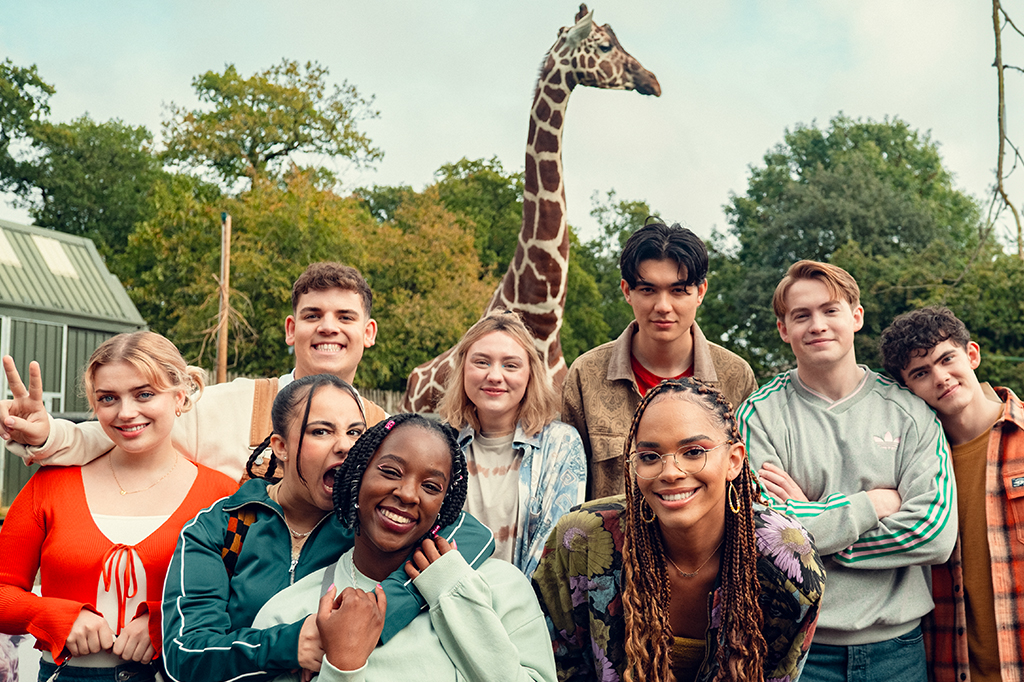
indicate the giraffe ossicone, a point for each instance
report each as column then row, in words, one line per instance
column 534, row 285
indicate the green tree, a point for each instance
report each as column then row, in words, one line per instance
column 252, row 127
column 879, row 187
column 24, row 100
column 90, row 179
column 600, row 256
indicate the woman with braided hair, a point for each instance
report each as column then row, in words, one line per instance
column 403, row 481
column 687, row 576
column 238, row 553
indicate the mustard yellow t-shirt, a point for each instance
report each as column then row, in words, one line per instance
column 687, row 655
column 969, row 469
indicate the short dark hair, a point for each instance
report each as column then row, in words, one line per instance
column 349, row 476
column 327, row 275
column 658, row 241
column 915, row 333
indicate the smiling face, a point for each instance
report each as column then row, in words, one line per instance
column 334, row 425
column 944, row 377
column 329, row 331
column 400, row 497
column 685, row 502
column 818, row 325
column 135, row 416
column 663, row 305
column 497, row 372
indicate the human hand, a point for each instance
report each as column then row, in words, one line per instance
column 779, row 484
column 427, row 553
column 89, row 634
column 310, row 651
column 350, row 625
column 134, row 643
column 24, row 419
column 885, row 501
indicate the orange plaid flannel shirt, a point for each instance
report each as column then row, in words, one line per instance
column 946, row 628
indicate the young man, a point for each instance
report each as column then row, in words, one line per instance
column 976, row 632
column 664, row 279
column 864, row 466
column 329, row 327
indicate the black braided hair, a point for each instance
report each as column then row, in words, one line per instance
column 349, row 476
column 286, row 404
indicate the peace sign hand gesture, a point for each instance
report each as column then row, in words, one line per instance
column 24, row 419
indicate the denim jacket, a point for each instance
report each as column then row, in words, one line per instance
column 552, row 479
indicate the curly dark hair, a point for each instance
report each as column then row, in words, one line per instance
column 284, row 411
column 349, row 477
column 915, row 333
column 646, row 594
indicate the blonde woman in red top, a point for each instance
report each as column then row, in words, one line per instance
column 102, row 535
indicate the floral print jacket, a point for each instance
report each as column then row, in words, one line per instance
column 578, row 584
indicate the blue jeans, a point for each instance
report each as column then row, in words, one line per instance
column 127, row 672
column 900, row 659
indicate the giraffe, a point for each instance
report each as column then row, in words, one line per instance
column 535, row 283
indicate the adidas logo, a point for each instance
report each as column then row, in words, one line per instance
column 887, row 442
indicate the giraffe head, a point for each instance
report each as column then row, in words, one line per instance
column 590, row 54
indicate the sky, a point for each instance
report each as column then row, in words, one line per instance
column 455, row 79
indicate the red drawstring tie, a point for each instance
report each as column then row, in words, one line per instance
column 127, row 590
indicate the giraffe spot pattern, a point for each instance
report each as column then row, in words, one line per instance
column 543, row 110
column 530, row 177
column 556, row 120
column 549, row 175
column 546, row 142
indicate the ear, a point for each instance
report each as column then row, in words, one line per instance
column 625, row 290
column 702, row 290
column 858, row 317
column 781, row 325
column 289, row 330
column 279, row 447
column 973, row 354
column 370, row 333
column 581, row 31
column 737, row 460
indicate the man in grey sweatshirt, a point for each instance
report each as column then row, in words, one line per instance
column 864, row 465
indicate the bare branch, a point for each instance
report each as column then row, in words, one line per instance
column 1000, row 189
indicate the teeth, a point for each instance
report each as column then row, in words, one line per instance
column 328, row 347
column 397, row 518
column 133, row 429
column 680, row 496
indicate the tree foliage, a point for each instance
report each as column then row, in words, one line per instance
column 252, row 127
column 877, row 187
column 24, row 100
column 88, row 178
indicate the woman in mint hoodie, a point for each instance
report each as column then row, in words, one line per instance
column 404, row 480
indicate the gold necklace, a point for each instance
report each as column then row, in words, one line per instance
column 110, row 461
column 272, row 493
column 694, row 574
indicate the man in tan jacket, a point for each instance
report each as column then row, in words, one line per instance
column 664, row 279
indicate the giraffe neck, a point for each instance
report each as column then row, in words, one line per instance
column 535, row 282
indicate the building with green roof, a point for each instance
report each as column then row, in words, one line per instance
column 58, row 302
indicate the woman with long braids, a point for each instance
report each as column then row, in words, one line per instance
column 275, row 530
column 404, row 480
column 687, row 576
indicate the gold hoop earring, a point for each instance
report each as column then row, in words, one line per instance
column 643, row 503
column 734, row 499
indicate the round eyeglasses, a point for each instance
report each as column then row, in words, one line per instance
column 690, row 459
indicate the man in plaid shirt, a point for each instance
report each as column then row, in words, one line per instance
column 977, row 628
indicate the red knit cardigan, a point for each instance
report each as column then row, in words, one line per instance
column 50, row 527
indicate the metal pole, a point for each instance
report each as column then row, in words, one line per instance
column 222, row 319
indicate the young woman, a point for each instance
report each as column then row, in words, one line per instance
column 686, row 577
column 241, row 551
column 525, row 469
column 403, row 481
column 101, row 535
